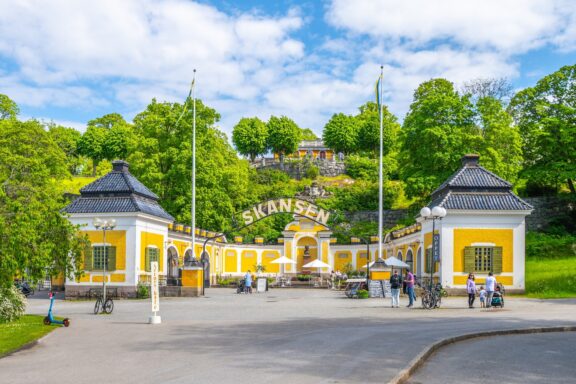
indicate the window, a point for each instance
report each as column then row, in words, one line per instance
column 399, row 255
column 98, row 258
column 483, row 259
column 342, row 255
column 362, row 255
column 151, row 255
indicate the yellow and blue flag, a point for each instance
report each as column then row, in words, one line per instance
column 186, row 102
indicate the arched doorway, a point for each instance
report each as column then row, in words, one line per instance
column 173, row 277
column 323, row 155
column 410, row 259
column 306, row 251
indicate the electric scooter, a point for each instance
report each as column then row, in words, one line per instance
column 50, row 319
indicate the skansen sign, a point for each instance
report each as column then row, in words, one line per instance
column 285, row 205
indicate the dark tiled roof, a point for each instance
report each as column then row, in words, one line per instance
column 118, row 182
column 474, row 176
column 484, row 201
column 117, row 191
column 117, row 205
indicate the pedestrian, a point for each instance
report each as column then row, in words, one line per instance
column 482, row 297
column 410, row 287
column 490, row 288
column 248, row 282
column 471, row 289
column 332, row 279
column 395, row 283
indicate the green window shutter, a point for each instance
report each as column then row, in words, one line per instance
column 147, row 260
column 497, row 260
column 88, row 259
column 111, row 266
column 469, row 259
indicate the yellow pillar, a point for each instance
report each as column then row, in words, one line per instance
column 192, row 281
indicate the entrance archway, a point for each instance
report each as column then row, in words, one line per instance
column 306, row 251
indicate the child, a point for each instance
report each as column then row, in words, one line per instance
column 482, row 297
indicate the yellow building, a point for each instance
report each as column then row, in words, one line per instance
column 313, row 149
column 482, row 232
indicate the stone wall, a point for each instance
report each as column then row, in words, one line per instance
column 548, row 210
column 297, row 169
column 390, row 218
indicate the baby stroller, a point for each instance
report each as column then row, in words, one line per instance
column 498, row 297
column 241, row 285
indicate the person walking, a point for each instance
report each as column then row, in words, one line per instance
column 490, row 288
column 471, row 289
column 248, row 282
column 410, row 287
column 395, row 284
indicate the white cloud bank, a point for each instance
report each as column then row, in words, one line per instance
column 117, row 55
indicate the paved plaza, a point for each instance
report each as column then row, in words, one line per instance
column 283, row 336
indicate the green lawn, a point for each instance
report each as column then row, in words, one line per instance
column 22, row 331
column 551, row 278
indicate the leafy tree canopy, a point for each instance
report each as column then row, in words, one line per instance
column 67, row 139
column 341, row 133
column 546, row 117
column 250, row 136
column 35, row 239
column 8, row 108
column 283, row 135
column 308, row 134
column 369, row 129
column 162, row 161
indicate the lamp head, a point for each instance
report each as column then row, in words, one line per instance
column 438, row 212
column 425, row 212
column 97, row 223
column 112, row 223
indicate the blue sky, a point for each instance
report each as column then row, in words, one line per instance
column 70, row 61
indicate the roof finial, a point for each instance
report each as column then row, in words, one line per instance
column 471, row 160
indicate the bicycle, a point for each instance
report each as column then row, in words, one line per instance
column 432, row 298
column 108, row 306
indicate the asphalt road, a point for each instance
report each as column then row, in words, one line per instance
column 283, row 336
column 522, row 359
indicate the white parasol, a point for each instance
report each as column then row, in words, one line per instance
column 283, row 260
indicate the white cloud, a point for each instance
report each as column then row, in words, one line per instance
column 511, row 25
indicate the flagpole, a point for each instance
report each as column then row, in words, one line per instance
column 380, row 177
column 193, row 205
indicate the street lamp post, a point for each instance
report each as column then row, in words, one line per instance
column 433, row 214
column 104, row 225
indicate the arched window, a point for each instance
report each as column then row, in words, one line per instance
column 419, row 261
column 399, row 255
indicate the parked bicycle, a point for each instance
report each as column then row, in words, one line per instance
column 432, row 298
column 107, row 307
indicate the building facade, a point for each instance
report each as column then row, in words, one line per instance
column 483, row 231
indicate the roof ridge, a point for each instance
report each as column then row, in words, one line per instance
column 127, row 179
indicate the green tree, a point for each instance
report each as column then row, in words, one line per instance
column 162, row 161
column 107, row 121
column 369, row 129
column 308, row 134
column 8, row 108
column 341, row 133
column 546, row 117
column 67, row 139
column 501, row 151
column 439, row 128
column 35, row 239
column 250, row 136
column 93, row 145
column 283, row 136
column 120, row 140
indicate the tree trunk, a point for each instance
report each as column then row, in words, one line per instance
column 281, row 161
column 94, row 166
column 571, row 186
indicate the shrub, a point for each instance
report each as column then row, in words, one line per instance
column 12, row 304
column 304, row 277
column 142, row 291
column 545, row 246
column 363, row 294
column 312, row 172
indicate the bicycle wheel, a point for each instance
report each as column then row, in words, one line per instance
column 108, row 306
column 97, row 306
column 427, row 300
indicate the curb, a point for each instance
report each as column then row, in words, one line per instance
column 403, row 376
